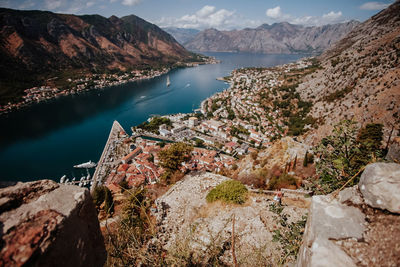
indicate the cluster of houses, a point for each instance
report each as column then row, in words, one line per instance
column 141, row 165
column 243, row 105
column 42, row 93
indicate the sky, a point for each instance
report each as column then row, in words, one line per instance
column 219, row 14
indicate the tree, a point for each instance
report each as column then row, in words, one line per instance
column 199, row 143
column 108, row 201
column 172, row 158
column 124, row 185
column 369, row 140
column 98, row 195
column 305, row 161
column 336, row 153
column 344, row 153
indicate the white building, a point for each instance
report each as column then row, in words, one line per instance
column 193, row 121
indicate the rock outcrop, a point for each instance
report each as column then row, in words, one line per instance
column 380, row 186
column 347, row 231
column 329, row 219
column 43, row 223
column 191, row 226
column 394, row 150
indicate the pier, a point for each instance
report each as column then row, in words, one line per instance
column 103, row 164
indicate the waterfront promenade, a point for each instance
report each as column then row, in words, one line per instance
column 107, row 158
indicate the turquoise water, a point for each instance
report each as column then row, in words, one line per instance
column 44, row 141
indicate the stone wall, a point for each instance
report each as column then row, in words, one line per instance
column 43, row 223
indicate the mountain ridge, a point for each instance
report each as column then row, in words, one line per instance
column 359, row 76
column 41, row 44
column 278, row 38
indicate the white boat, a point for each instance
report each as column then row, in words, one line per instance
column 62, row 179
column 87, row 165
column 168, row 81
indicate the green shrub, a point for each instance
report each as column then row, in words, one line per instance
column 98, row 195
column 282, row 181
column 344, row 153
column 230, row 191
column 108, row 201
column 124, row 185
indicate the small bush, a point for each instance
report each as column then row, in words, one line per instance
column 108, row 201
column 124, row 185
column 229, row 191
column 98, row 195
column 283, row 181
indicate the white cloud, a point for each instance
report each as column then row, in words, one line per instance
column 89, row 4
column 274, row 13
column 207, row 17
column 374, row 6
column 277, row 15
column 130, row 2
column 332, row 16
column 205, row 11
column 26, row 5
column 53, row 4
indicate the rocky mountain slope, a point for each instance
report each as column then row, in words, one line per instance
column 181, row 35
column 360, row 76
column 39, row 43
column 276, row 38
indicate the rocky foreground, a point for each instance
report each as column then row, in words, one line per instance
column 191, row 226
column 359, row 227
column 43, row 223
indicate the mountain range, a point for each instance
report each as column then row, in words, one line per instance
column 41, row 44
column 277, row 38
column 359, row 76
column 182, row 35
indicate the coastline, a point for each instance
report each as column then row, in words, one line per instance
column 40, row 94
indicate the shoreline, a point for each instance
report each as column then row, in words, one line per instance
column 55, row 93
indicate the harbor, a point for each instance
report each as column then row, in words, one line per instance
column 109, row 158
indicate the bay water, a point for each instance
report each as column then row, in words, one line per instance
column 45, row 140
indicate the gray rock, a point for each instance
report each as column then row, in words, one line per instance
column 394, row 150
column 380, row 186
column 326, row 253
column 351, row 194
column 46, row 224
column 329, row 219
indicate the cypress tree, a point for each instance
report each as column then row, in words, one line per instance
column 108, row 199
column 305, row 161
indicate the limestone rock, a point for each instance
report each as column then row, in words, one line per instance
column 380, row 186
column 352, row 195
column 189, row 223
column 326, row 253
column 329, row 219
column 47, row 224
column 394, row 150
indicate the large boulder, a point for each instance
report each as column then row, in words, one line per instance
column 380, row 186
column 43, row 223
column 330, row 219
